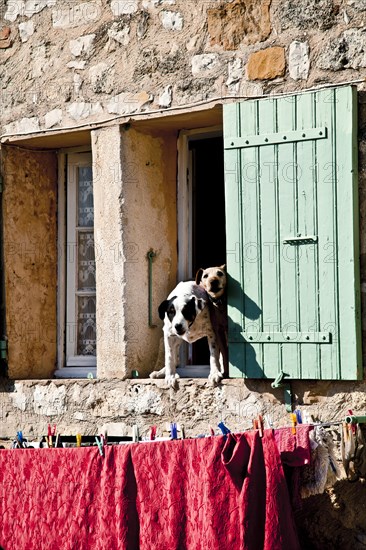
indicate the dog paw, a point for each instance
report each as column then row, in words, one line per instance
column 215, row 378
column 157, row 374
column 171, row 380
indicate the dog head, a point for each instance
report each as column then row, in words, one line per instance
column 181, row 311
column 213, row 280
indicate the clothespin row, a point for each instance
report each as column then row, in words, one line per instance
column 258, row 425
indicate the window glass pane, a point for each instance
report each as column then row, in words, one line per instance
column 85, row 197
column 86, row 261
column 87, row 329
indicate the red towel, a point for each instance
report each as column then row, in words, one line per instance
column 150, row 496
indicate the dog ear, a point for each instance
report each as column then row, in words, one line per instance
column 163, row 308
column 223, row 267
column 199, row 276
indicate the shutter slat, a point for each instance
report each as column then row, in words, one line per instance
column 288, row 226
column 308, row 255
column 347, row 223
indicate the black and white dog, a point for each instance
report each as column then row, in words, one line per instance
column 186, row 317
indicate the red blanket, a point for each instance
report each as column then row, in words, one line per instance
column 197, row 494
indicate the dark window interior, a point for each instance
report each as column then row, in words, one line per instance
column 209, row 237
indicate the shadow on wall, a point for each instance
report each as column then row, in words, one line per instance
column 250, row 310
column 336, row 519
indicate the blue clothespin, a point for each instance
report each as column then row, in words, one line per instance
column 223, row 428
column 298, row 416
column 20, row 439
column 100, row 446
column 173, row 430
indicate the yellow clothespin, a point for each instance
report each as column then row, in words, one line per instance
column 294, row 422
column 78, row 440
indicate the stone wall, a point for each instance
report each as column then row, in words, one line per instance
column 66, row 63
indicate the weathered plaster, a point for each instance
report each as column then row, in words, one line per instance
column 30, row 258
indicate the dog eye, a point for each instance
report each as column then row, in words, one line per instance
column 205, row 276
column 171, row 310
column 220, row 273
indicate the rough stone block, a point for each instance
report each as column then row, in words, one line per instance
column 242, row 21
column 299, row 63
column 53, row 118
column 346, row 52
column 82, row 45
column 26, row 29
column 235, row 74
column 5, row 33
column 81, row 109
column 266, row 64
column 308, row 14
column 101, row 78
column 166, row 98
column 23, row 126
column 14, row 9
column 204, row 64
column 120, row 35
column 5, row 43
column 172, row 20
column 35, row 6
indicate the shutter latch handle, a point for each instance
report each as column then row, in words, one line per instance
column 279, row 383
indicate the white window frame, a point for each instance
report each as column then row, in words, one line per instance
column 81, row 366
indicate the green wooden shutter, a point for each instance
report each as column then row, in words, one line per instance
column 292, row 236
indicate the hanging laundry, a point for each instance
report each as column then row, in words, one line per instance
column 294, row 447
column 323, row 470
column 353, row 449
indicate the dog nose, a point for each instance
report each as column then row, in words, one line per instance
column 215, row 285
column 179, row 328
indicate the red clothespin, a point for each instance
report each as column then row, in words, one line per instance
column 152, row 433
column 50, row 433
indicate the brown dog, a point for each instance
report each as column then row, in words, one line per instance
column 213, row 280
